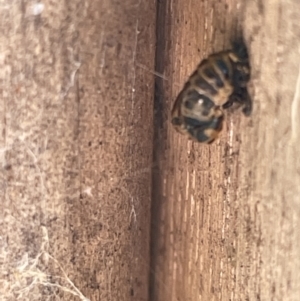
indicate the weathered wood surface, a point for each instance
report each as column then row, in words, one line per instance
column 76, row 148
column 76, row 153
column 228, row 215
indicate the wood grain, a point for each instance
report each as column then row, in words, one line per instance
column 228, row 214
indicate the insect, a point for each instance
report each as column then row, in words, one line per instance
column 219, row 81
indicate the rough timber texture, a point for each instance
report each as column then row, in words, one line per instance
column 228, row 215
column 76, row 152
column 76, row 148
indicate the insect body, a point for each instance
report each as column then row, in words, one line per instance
column 218, row 82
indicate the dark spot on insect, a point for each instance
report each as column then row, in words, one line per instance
column 200, row 135
column 204, row 85
column 192, row 122
column 211, row 73
column 193, row 95
column 223, row 67
column 219, row 82
column 227, row 104
column 189, row 104
column 100, row 142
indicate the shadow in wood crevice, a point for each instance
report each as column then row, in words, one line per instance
column 161, row 61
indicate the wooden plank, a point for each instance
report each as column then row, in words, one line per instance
column 76, row 149
column 228, row 214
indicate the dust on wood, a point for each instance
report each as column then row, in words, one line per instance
column 76, row 149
